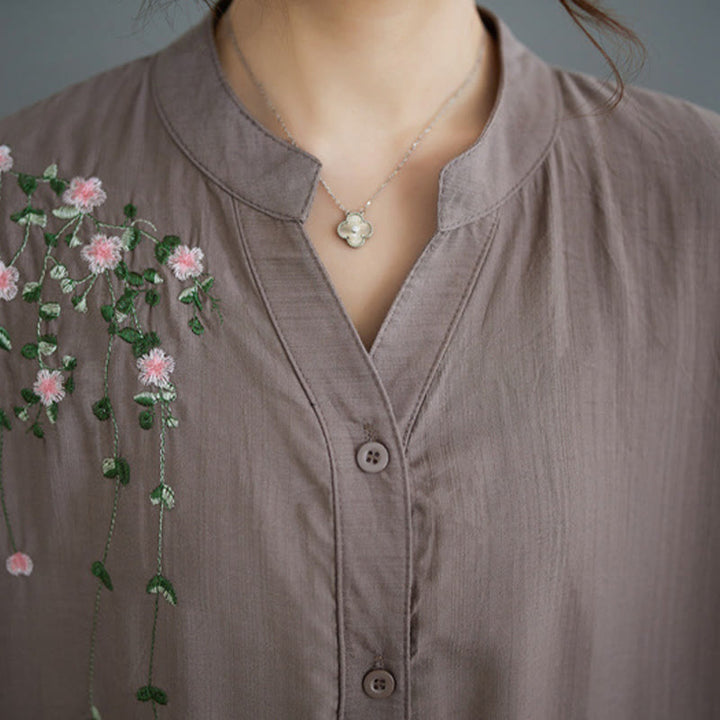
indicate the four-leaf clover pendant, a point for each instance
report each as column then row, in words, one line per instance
column 354, row 229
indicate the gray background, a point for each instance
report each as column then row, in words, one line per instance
column 49, row 44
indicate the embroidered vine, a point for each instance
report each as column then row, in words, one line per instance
column 107, row 256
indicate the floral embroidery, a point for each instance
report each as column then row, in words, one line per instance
column 155, row 367
column 84, row 195
column 102, row 253
column 19, row 564
column 186, row 262
column 8, row 281
column 107, row 256
column 6, row 161
column 48, row 386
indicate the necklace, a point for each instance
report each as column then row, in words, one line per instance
column 355, row 229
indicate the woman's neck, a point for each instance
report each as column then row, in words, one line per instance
column 349, row 74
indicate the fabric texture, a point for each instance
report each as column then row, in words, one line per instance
column 190, row 530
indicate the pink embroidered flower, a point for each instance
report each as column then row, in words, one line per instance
column 102, row 252
column 6, row 161
column 186, row 262
column 49, row 386
column 19, row 564
column 84, row 194
column 155, row 367
column 8, row 281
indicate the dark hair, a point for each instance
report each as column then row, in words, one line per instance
column 579, row 10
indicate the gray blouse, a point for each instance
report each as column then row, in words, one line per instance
column 218, row 504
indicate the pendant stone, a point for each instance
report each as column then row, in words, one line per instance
column 354, row 229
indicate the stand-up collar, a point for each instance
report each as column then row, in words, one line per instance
column 215, row 130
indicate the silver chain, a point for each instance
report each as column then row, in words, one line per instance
column 443, row 108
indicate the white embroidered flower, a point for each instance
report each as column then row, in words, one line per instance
column 8, row 281
column 186, row 262
column 49, row 386
column 155, row 367
column 19, row 564
column 102, row 252
column 84, row 194
column 6, row 161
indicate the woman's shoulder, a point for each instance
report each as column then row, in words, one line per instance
column 82, row 120
column 647, row 124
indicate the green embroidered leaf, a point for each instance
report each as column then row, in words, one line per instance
column 31, row 216
column 99, row 571
column 126, row 237
column 50, row 172
column 31, row 291
column 4, row 421
column 196, row 326
column 69, row 362
column 146, row 398
column 123, row 468
column 49, row 310
column 150, row 692
column 129, row 334
column 29, row 396
column 130, row 211
column 37, row 430
column 165, row 247
column 95, row 713
column 163, row 494
column 69, row 384
column 79, row 302
column 109, row 467
column 72, row 240
column 107, row 312
column 29, row 350
column 27, row 182
column 188, row 295
column 124, row 303
column 168, row 393
column 152, row 297
column 136, row 238
column 121, row 270
column 162, row 253
column 160, row 584
column 145, row 344
column 102, row 408
column 5, row 343
column 51, row 239
column 153, row 276
column 58, row 186
column 58, row 272
column 207, row 283
column 52, row 412
column 47, row 344
column 134, row 278
column 146, row 418
column 171, row 421
column 21, row 413
column 67, row 285
column 65, row 212
column 19, row 215
column 171, row 241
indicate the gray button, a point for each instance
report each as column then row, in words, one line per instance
column 372, row 457
column 378, row 683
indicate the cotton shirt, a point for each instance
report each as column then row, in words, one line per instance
column 506, row 509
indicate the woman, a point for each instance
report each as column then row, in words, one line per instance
column 355, row 367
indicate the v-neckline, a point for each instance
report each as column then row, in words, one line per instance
column 313, row 324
